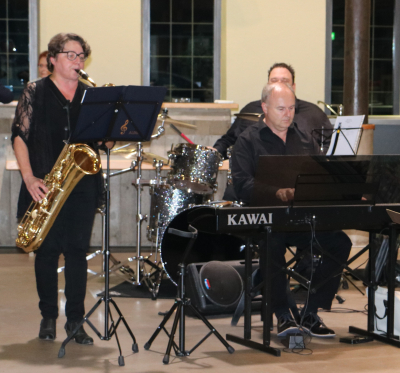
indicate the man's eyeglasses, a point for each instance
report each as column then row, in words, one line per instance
column 72, row 55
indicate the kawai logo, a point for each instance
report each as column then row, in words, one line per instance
column 250, row 219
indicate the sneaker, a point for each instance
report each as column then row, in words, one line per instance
column 286, row 325
column 313, row 325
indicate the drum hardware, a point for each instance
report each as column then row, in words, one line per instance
column 180, row 305
column 229, row 178
column 165, row 118
column 254, row 117
column 88, row 257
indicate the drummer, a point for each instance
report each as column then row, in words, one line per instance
column 309, row 117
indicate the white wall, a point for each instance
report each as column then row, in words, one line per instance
column 255, row 34
column 111, row 27
column 258, row 33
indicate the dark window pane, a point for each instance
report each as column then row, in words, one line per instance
column 338, row 42
column 383, row 12
column 337, row 97
column 160, row 72
column 168, row 95
column 182, row 73
column 203, row 95
column 159, row 40
column 337, row 75
column 181, row 40
column 3, row 9
column 18, row 70
column 181, row 10
column 181, row 94
column 203, row 72
column 203, row 11
column 159, row 10
column 18, row 37
column 383, row 41
column 18, row 9
column 338, row 12
column 203, row 36
column 380, row 99
column 17, row 92
column 3, row 70
column 3, row 36
column 382, row 76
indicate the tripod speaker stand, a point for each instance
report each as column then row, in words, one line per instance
column 180, row 305
column 114, row 113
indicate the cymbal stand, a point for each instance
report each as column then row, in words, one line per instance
column 109, row 329
column 140, row 260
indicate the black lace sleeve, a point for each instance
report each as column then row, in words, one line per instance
column 23, row 114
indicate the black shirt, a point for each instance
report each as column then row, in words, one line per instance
column 41, row 121
column 258, row 140
column 309, row 118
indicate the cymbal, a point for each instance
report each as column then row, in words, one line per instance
column 130, row 151
column 168, row 120
column 249, row 116
column 147, row 157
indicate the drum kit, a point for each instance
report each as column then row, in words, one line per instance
column 190, row 183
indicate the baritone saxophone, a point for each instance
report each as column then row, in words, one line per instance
column 74, row 162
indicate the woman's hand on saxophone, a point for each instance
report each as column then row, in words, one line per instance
column 36, row 187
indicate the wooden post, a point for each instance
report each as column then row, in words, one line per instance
column 356, row 57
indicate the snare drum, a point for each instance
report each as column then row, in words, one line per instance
column 206, row 248
column 194, row 168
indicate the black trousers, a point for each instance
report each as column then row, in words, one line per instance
column 336, row 243
column 69, row 235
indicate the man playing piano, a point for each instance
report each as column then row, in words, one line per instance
column 277, row 134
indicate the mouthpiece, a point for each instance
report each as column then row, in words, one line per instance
column 85, row 76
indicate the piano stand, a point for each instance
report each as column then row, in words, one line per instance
column 255, row 345
column 266, row 304
column 368, row 218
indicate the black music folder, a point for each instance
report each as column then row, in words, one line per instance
column 321, row 180
column 126, row 113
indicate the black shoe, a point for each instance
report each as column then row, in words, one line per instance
column 313, row 325
column 47, row 330
column 286, row 325
column 80, row 336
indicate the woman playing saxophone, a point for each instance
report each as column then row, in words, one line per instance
column 45, row 117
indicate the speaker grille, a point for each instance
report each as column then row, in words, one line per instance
column 221, row 283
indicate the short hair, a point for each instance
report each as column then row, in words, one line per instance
column 43, row 54
column 268, row 88
column 57, row 42
column 283, row 65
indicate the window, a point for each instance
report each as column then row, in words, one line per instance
column 14, row 44
column 181, row 51
column 382, row 30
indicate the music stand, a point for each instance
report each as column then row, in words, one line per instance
column 123, row 113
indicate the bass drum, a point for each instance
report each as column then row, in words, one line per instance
column 207, row 247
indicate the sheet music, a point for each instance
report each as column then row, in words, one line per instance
column 349, row 136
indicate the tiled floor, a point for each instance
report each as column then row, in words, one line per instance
column 21, row 351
